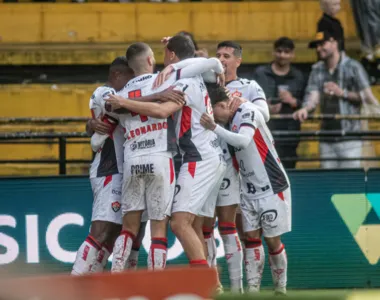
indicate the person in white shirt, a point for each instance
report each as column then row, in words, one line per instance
column 266, row 200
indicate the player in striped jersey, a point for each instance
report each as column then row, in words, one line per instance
column 266, row 201
column 203, row 166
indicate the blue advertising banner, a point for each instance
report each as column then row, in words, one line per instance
column 335, row 241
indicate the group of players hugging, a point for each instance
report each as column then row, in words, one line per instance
column 198, row 110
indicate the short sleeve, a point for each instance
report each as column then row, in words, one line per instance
column 256, row 92
column 249, row 118
column 360, row 77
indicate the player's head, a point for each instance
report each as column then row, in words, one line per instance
column 330, row 7
column 190, row 36
column 178, row 48
column 119, row 73
column 219, row 100
column 283, row 51
column 141, row 58
column 230, row 54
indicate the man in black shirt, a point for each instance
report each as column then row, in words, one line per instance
column 329, row 23
column 284, row 87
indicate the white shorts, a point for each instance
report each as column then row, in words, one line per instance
column 198, row 185
column 107, row 198
column 229, row 192
column 149, row 183
column 273, row 214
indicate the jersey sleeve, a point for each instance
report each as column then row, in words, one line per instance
column 95, row 107
column 250, row 118
column 205, row 67
column 255, row 92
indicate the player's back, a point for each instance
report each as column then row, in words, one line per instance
column 109, row 159
column 145, row 135
column 195, row 142
column 260, row 167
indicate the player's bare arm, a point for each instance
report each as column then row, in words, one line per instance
column 239, row 140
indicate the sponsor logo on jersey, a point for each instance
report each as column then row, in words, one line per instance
column 236, row 94
column 145, row 144
column 147, row 128
column 116, row 192
column 214, row 143
column 249, row 174
column 116, row 206
column 142, row 169
column 144, row 78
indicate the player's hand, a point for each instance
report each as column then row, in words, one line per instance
column 99, row 126
column 228, row 93
column 163, row 76
column 165, row 40
column 207, row 122
column 332, row 89
column 170, row 95
column 115, row 101
column 235, row 103
column 221, row 79
column 301, row 114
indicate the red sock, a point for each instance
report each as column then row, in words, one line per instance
column 198, row 263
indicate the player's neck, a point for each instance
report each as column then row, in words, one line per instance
column 231, row 77
column 280, row 70
column 143, row 71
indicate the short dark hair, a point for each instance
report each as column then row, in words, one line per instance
column 216, row 93
column 284, row 42
column 134, row 51
column 120, row 64
column 182, row 46
column 190, row 36
column 238, row 50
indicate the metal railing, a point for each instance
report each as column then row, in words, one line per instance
column 64, row 138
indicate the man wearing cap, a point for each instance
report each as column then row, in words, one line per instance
column 340, row 85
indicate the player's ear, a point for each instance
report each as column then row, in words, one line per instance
column 150, row 61
column 238, row 61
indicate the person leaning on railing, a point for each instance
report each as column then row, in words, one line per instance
column 340, row 84
column 284, row 85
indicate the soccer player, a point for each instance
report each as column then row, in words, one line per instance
column 203, row 165
column 149, row 178
column 106, row 179
column 266, row 201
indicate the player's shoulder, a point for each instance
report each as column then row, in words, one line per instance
column 101, row 92
column 186, row 84
column 249, row 111
column 139, row 81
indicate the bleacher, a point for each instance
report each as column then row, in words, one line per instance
column 92, row 34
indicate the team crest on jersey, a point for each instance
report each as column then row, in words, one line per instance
column 234, row 128
column 116, row 206
column 236, row 94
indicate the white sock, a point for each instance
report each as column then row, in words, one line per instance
column 133, row 259
column 211, row 246
column 234, row 255
column 254, row 263
column 86, row 256
column 121, row 251
column 157, row 254
column 101, row 260
column 279, row 265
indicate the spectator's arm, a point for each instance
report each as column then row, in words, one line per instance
column 362, row 85
column 312, row 93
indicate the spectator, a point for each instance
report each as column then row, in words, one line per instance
column 328, row 22
column 367, row 18
column 340, row 84
column 284, row 86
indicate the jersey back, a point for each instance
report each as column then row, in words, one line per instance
column 261, row 171
column 195, row 142
column 145, row 135
column 109, row 159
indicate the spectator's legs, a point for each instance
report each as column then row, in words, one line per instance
column 327, row 150
column 349, row 149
